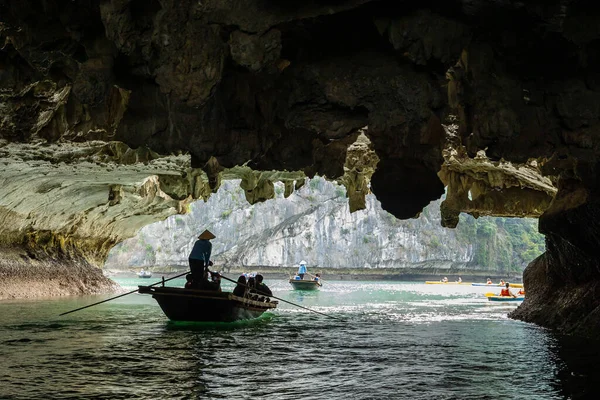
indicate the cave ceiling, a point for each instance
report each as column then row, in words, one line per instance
column 118, row 113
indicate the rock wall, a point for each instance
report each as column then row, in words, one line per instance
column 315, row 224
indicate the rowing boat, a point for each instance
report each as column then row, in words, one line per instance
column 207, row 305
column 305, row 284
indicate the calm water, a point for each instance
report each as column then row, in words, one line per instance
column 397, row 341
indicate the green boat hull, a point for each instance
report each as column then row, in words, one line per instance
column 299, row 284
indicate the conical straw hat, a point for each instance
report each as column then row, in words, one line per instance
column 302, row 262
column 206, row 235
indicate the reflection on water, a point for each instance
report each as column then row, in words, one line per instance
column 577, row 366
column 395, row 340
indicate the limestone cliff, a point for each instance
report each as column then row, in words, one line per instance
column 315, row 224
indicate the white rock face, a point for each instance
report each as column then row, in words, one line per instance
column 314, row 223
column 85, row 194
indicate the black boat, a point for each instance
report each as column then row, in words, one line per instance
column 180, row 304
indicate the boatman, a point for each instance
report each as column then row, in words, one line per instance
column 302, row 269
column 200, row 256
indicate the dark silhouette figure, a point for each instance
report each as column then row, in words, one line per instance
column 240, row 288
column 199, row 258
column 261, row 288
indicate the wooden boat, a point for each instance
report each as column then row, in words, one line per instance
column 180, row 304
column 506, row 298
column 305, row 284
column 144, row 274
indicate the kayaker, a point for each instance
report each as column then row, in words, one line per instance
column 506, row 292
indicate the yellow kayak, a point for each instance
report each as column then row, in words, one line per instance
column 447, row 283
column 516, row 285
column 513, row 285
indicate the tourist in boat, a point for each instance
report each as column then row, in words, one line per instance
column 459, row 280
column 261, row 288
column 489, row 281
column 251, row 284
column 210, row 281
column 502, row 283
column 215, row 278
column 445, row 280
column 318, row 278
column 199, row 258
column 189, row 282
column 240, row 288
column 506, row 292
column 302, row 269
column 521, row 292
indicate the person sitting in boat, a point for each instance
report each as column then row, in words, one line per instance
column 210, row 281
column 215, row 280
column 502, row 283
column 445, row 280
column 489, row 281
column 189, row 282
column 302, row 269
column 261, row 288
column 251, row 285
column 199, row 258
column 459, row 280
column 521, row 292
column 240, row 288
column 506, row 292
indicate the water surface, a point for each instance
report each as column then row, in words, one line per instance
column 395, row 340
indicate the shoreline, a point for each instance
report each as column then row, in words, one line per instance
column 333, row 274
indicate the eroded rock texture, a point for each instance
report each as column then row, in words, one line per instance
column 288, row 86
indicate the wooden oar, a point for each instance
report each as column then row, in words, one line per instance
column 121, row 295
column 279, row 298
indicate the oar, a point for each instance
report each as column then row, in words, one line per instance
column 121, row 295
column 280, row 299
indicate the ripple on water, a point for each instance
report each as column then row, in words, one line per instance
column 394, row 340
